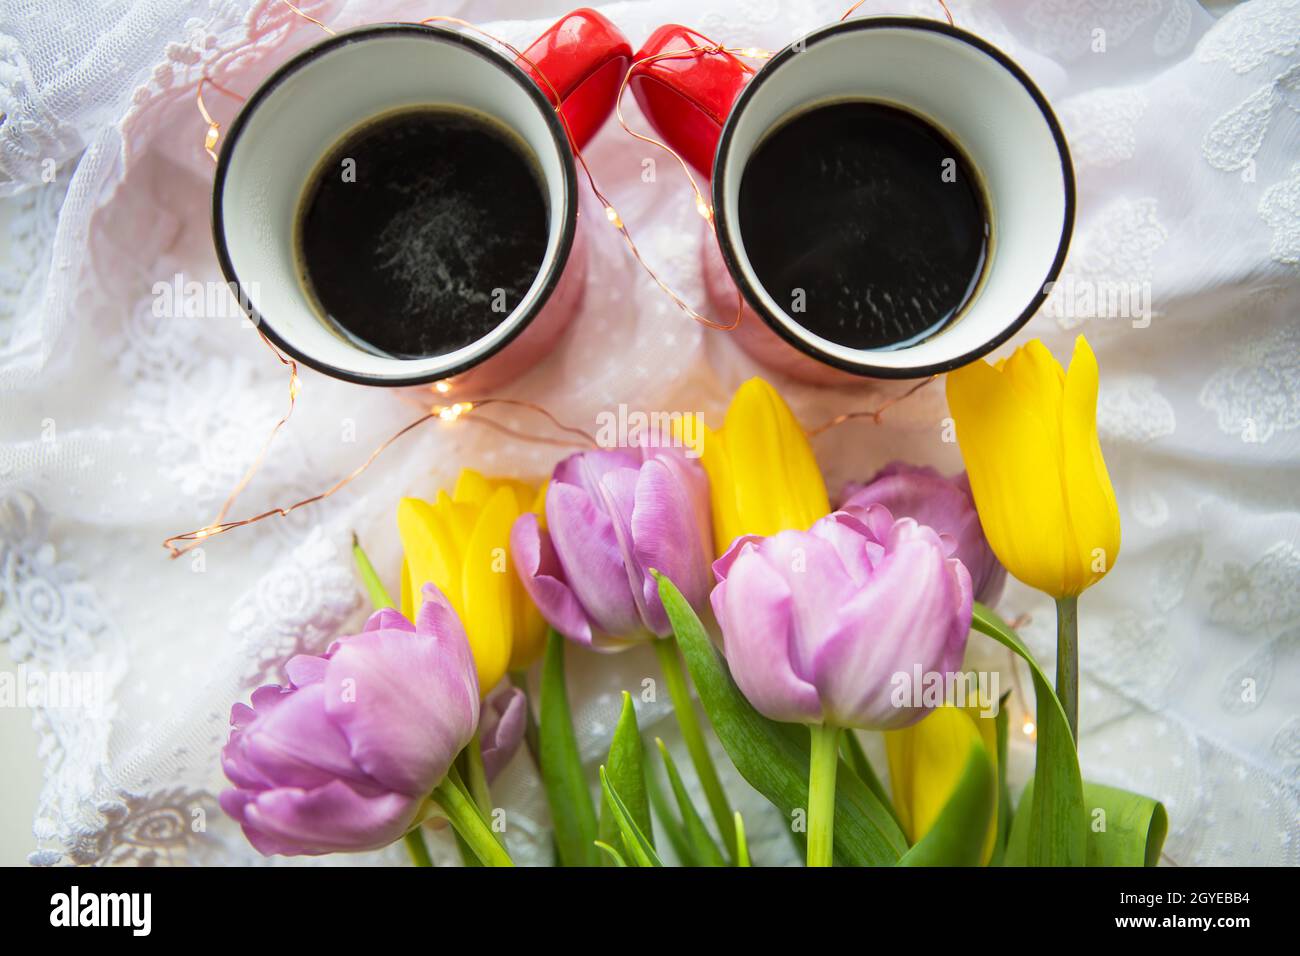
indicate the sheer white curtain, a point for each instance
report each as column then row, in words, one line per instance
column 118, row 428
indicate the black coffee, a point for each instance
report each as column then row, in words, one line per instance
column 864, row 223
column 422, row 230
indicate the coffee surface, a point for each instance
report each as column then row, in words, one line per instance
column 864, row 223
column 421, row 231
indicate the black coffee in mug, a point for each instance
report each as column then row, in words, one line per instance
column 864, row 223
column 421, row 231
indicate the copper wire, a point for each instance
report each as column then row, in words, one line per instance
column 874, row 414
column 849, row 12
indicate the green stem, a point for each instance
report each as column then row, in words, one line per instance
column 532, row 734
column 378, row 595
column 821, row 793
column 1067, row 660
column 416, row 846
column 477, row 777
column 684, row 708
column 469, row 823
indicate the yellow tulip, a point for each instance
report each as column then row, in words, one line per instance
column 926, row 761
column 763, row 477
column 1028, row 434
column 461, row 543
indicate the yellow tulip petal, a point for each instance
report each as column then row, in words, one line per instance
column 430, row 550
column 774, row 476
column 1012, row 459
column 486, row 582
column 471, row 487
column 899, row 752
column 408, row 597
column 722, row 498
column 937, row 750
column 1094, row 514
column 987, row 728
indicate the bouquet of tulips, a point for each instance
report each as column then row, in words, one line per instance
column 797, row 626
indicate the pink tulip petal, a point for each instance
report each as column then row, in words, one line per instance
column 406, row 703
column 588, row 550
column 542, row 577
column 335, row 817
column 666, row 537
column 754, row 605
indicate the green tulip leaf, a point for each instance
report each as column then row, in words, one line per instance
column 1004, row 793
column 957, row 836
column 1125, row 829
column 1056, row 823
column 774, row 757
column 613, row 854
column 669, row 825
column 742, row 845
column 626, row 767
column 573, row 813
column 703, row 849
column 861, row 766
column 638, row 848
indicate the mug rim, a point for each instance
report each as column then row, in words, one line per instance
column 569, row 188
column 739, row 276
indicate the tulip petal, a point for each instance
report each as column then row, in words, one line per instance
column 331, row 818
column 488, row 582
column 1093, row 512
column 755, row 607
column 233, row 803
column 776, row 481
column 1013, row 462
column 430, row 548
column 295, row 744
column 727, row 526
column 596, row 571
column 916, row 608
column 925, row 763
column 501, row 728
column 543, row 579
column 402, row 738
column 388, row 618
column 666, row 536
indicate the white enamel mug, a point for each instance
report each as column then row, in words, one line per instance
column 715, row 111
column 319, row 96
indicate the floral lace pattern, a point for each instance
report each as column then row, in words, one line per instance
column 1257, row 395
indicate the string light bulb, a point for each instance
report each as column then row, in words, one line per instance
column 449, row 413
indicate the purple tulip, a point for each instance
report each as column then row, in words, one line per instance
column 611, row 518
column 946, row 505
column 817, row 625
column 343, row 758
column 501, row 727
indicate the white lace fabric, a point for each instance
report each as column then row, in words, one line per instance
column 118, row 428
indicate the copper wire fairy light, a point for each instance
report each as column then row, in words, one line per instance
column 457, row 410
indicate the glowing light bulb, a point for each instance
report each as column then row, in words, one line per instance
column 703, row 208
column 612, row 215
column 449, row 413
column 441, row 387
column 1029, row 728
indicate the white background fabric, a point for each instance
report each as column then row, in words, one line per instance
column 117, row 428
